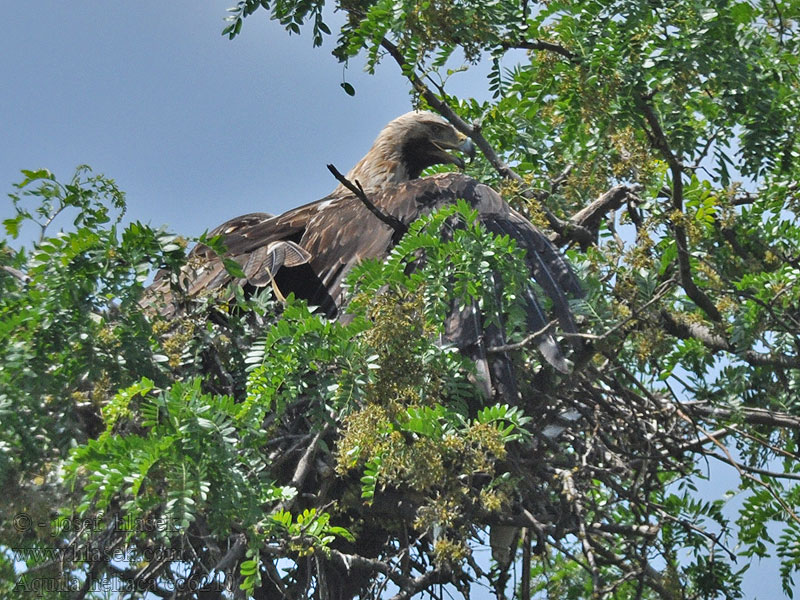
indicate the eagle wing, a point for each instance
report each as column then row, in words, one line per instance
column 310, row 250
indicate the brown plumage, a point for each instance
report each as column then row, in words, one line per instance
column 310, row 249
column 336, row 231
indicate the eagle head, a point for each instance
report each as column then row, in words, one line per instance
column 407, row 146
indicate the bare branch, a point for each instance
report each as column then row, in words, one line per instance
column 751, row 416
column 396, row 224
column 688, row 330
column 234, row 554
column 745, row 473
column 418, row 584
column 587, row 220
column 745, row 198
column 755, row 470
column 16, row 273
column 408, row 585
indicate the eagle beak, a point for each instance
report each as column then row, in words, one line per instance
column 465, row 146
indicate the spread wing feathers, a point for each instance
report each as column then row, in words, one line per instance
column 264, row 262
column 309, row 251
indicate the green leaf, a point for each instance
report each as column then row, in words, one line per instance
column 233, row 268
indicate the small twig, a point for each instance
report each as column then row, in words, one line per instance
column 661, row 291
column 685, row 523
column 50, row 219
column 744, row 473
column 697, row 445
column 542, row 531
column 559, row 179
column 522, row 343
column 762, row 441
column 396, row 224
column 781, row 25
column 752, row 416
column 531, row 338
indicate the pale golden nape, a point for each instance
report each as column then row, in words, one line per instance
column 405, row 147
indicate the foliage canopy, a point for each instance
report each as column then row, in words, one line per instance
column 261, row 446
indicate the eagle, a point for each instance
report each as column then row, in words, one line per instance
column 309, row 250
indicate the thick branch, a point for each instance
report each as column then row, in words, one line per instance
column 591, row 216
column 542, row 45
column 304, row 467
column 422, row 582
column 751, row 416
column 408, row 585
column 234, row 554
column 16, row 273
column 583, row 226
column 688, row 330
column 745, row 198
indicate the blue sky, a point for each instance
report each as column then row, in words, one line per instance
column 195, row 128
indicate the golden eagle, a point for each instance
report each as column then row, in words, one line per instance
column 310, row 249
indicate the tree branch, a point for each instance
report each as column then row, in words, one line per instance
column 304, row 466
column 742, row 467
column 396, row 224
column 659, row 140
column 541, row 45
column 408, row 585
column 16, row 273
column 696, row 331
column 587, row 220
column 751, row 416
column 418, row 584
column 528, row 339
